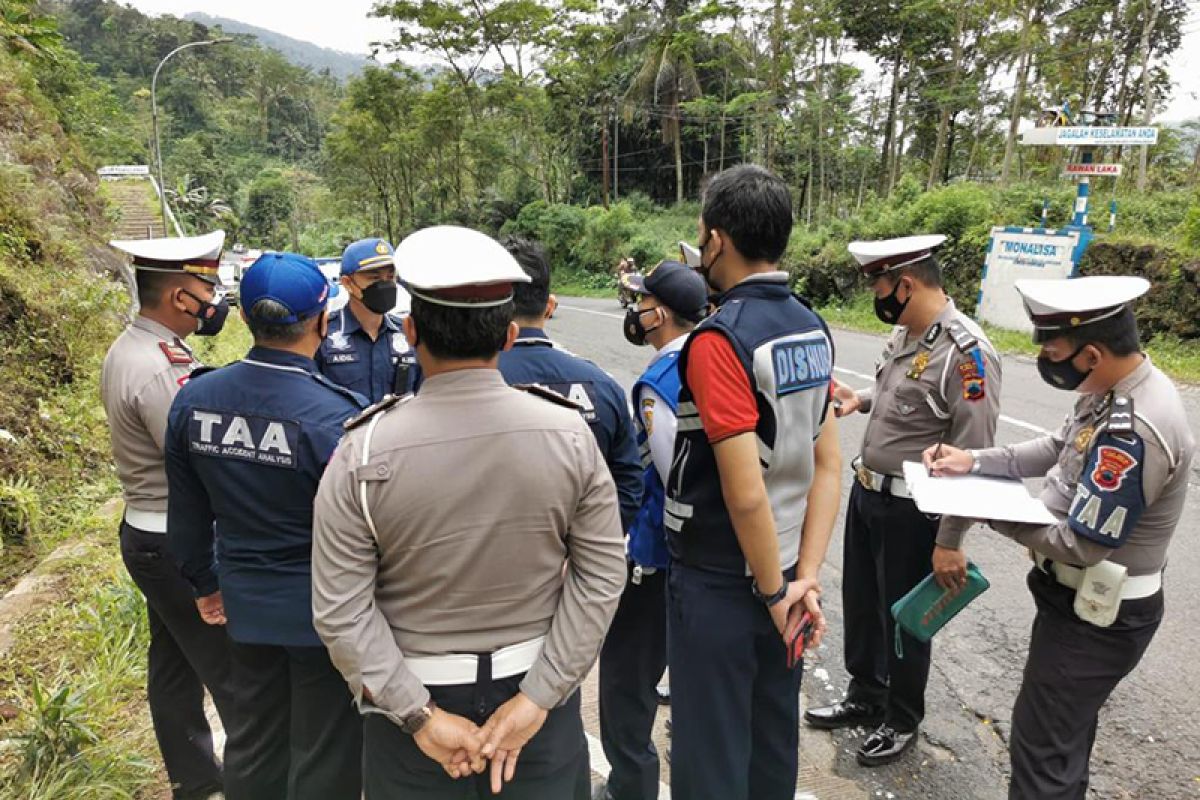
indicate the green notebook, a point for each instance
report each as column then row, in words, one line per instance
column 924, row 610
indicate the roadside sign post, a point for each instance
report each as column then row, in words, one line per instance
column 1015, row 252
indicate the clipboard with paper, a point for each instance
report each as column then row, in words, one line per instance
column 974, row 497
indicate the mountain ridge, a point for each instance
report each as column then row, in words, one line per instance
column 341, row 65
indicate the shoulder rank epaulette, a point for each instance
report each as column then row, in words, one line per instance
column 964, row 340
column 548, row 394
column 1120, row 417
column 389, row 401
column 198, row 371
column 176, row 352
column 931, row 335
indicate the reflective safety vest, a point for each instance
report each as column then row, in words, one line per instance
column 647, row 539
column 787, row 353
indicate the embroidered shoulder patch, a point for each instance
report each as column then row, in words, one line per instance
column 972, row 378
column 1109, row 499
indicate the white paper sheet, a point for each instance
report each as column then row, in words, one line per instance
column 974, row 497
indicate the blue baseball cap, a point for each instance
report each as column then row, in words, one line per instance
column 290, row 279
column 367, row 254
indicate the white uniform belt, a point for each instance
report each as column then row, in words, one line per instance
column 1135, row 587
column 879, row 482
column 151, row 521
column 458, row 669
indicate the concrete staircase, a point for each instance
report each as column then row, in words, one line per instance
column 135, row 199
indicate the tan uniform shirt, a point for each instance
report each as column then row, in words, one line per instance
column 1070, row 463
column 479, row 493
column 141, row 375
column 920, row 395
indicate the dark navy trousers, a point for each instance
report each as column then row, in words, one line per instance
column 734, row 702
column 888, row 550
column 1072, row 668
column 631, row 664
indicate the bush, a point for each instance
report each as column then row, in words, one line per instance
column 558, row 227
column 1172, row 306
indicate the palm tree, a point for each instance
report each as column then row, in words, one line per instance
column 667, row 75
column 194, row 205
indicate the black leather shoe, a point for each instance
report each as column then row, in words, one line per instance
column 663, row 693
column 884, row 746
column 846, row 714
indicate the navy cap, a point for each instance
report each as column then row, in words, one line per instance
column 367, row 254
column 677, row 286
column 292, row 280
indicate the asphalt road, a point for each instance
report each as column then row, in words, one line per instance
column 1148, row 745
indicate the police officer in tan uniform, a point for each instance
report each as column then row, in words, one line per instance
column 146, row 365
column 468, row 553
column 1116, row 478
column 938, row 380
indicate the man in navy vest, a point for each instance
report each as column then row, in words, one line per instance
column 751, row 502
column 534, row 358
column 245, row 449
column 365, row 350
column 670, row 301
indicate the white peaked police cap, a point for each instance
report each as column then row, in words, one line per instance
column 197, row 255
column 885, row 255
column 452, row 266
column 1063, row 304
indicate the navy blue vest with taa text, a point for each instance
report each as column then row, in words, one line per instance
column 787, row 353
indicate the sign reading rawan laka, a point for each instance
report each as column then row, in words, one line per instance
column 1092, row 170
column 1099, row 136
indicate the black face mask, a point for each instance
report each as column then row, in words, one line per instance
column 210, row 317
column 1063, row 374
column 380, row 296
column 888, row 309
column 635, row 331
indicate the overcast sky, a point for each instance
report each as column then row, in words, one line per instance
column 346, row 26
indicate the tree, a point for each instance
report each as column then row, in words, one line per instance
column 667, row 75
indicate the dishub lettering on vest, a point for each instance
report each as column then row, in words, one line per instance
column 801, row 365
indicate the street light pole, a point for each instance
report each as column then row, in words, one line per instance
column 162, row 187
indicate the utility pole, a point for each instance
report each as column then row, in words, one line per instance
column 162, row 187
column 616, row 157
column 604, row 161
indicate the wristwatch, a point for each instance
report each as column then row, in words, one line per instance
column 976, row 465
column 771, row 599
column 416, row 720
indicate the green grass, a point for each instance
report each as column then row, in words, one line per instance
column 1179, row 359
column 584, row 284
column 77, row 674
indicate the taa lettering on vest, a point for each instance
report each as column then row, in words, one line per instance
column 801, row 365
column 1109, row 499
column 258, row 440
column 582, row 394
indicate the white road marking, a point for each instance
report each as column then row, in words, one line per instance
column 600, row 764
column 1019, row 423
column 590, row 311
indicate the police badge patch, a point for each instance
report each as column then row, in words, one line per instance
column 971, row 373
